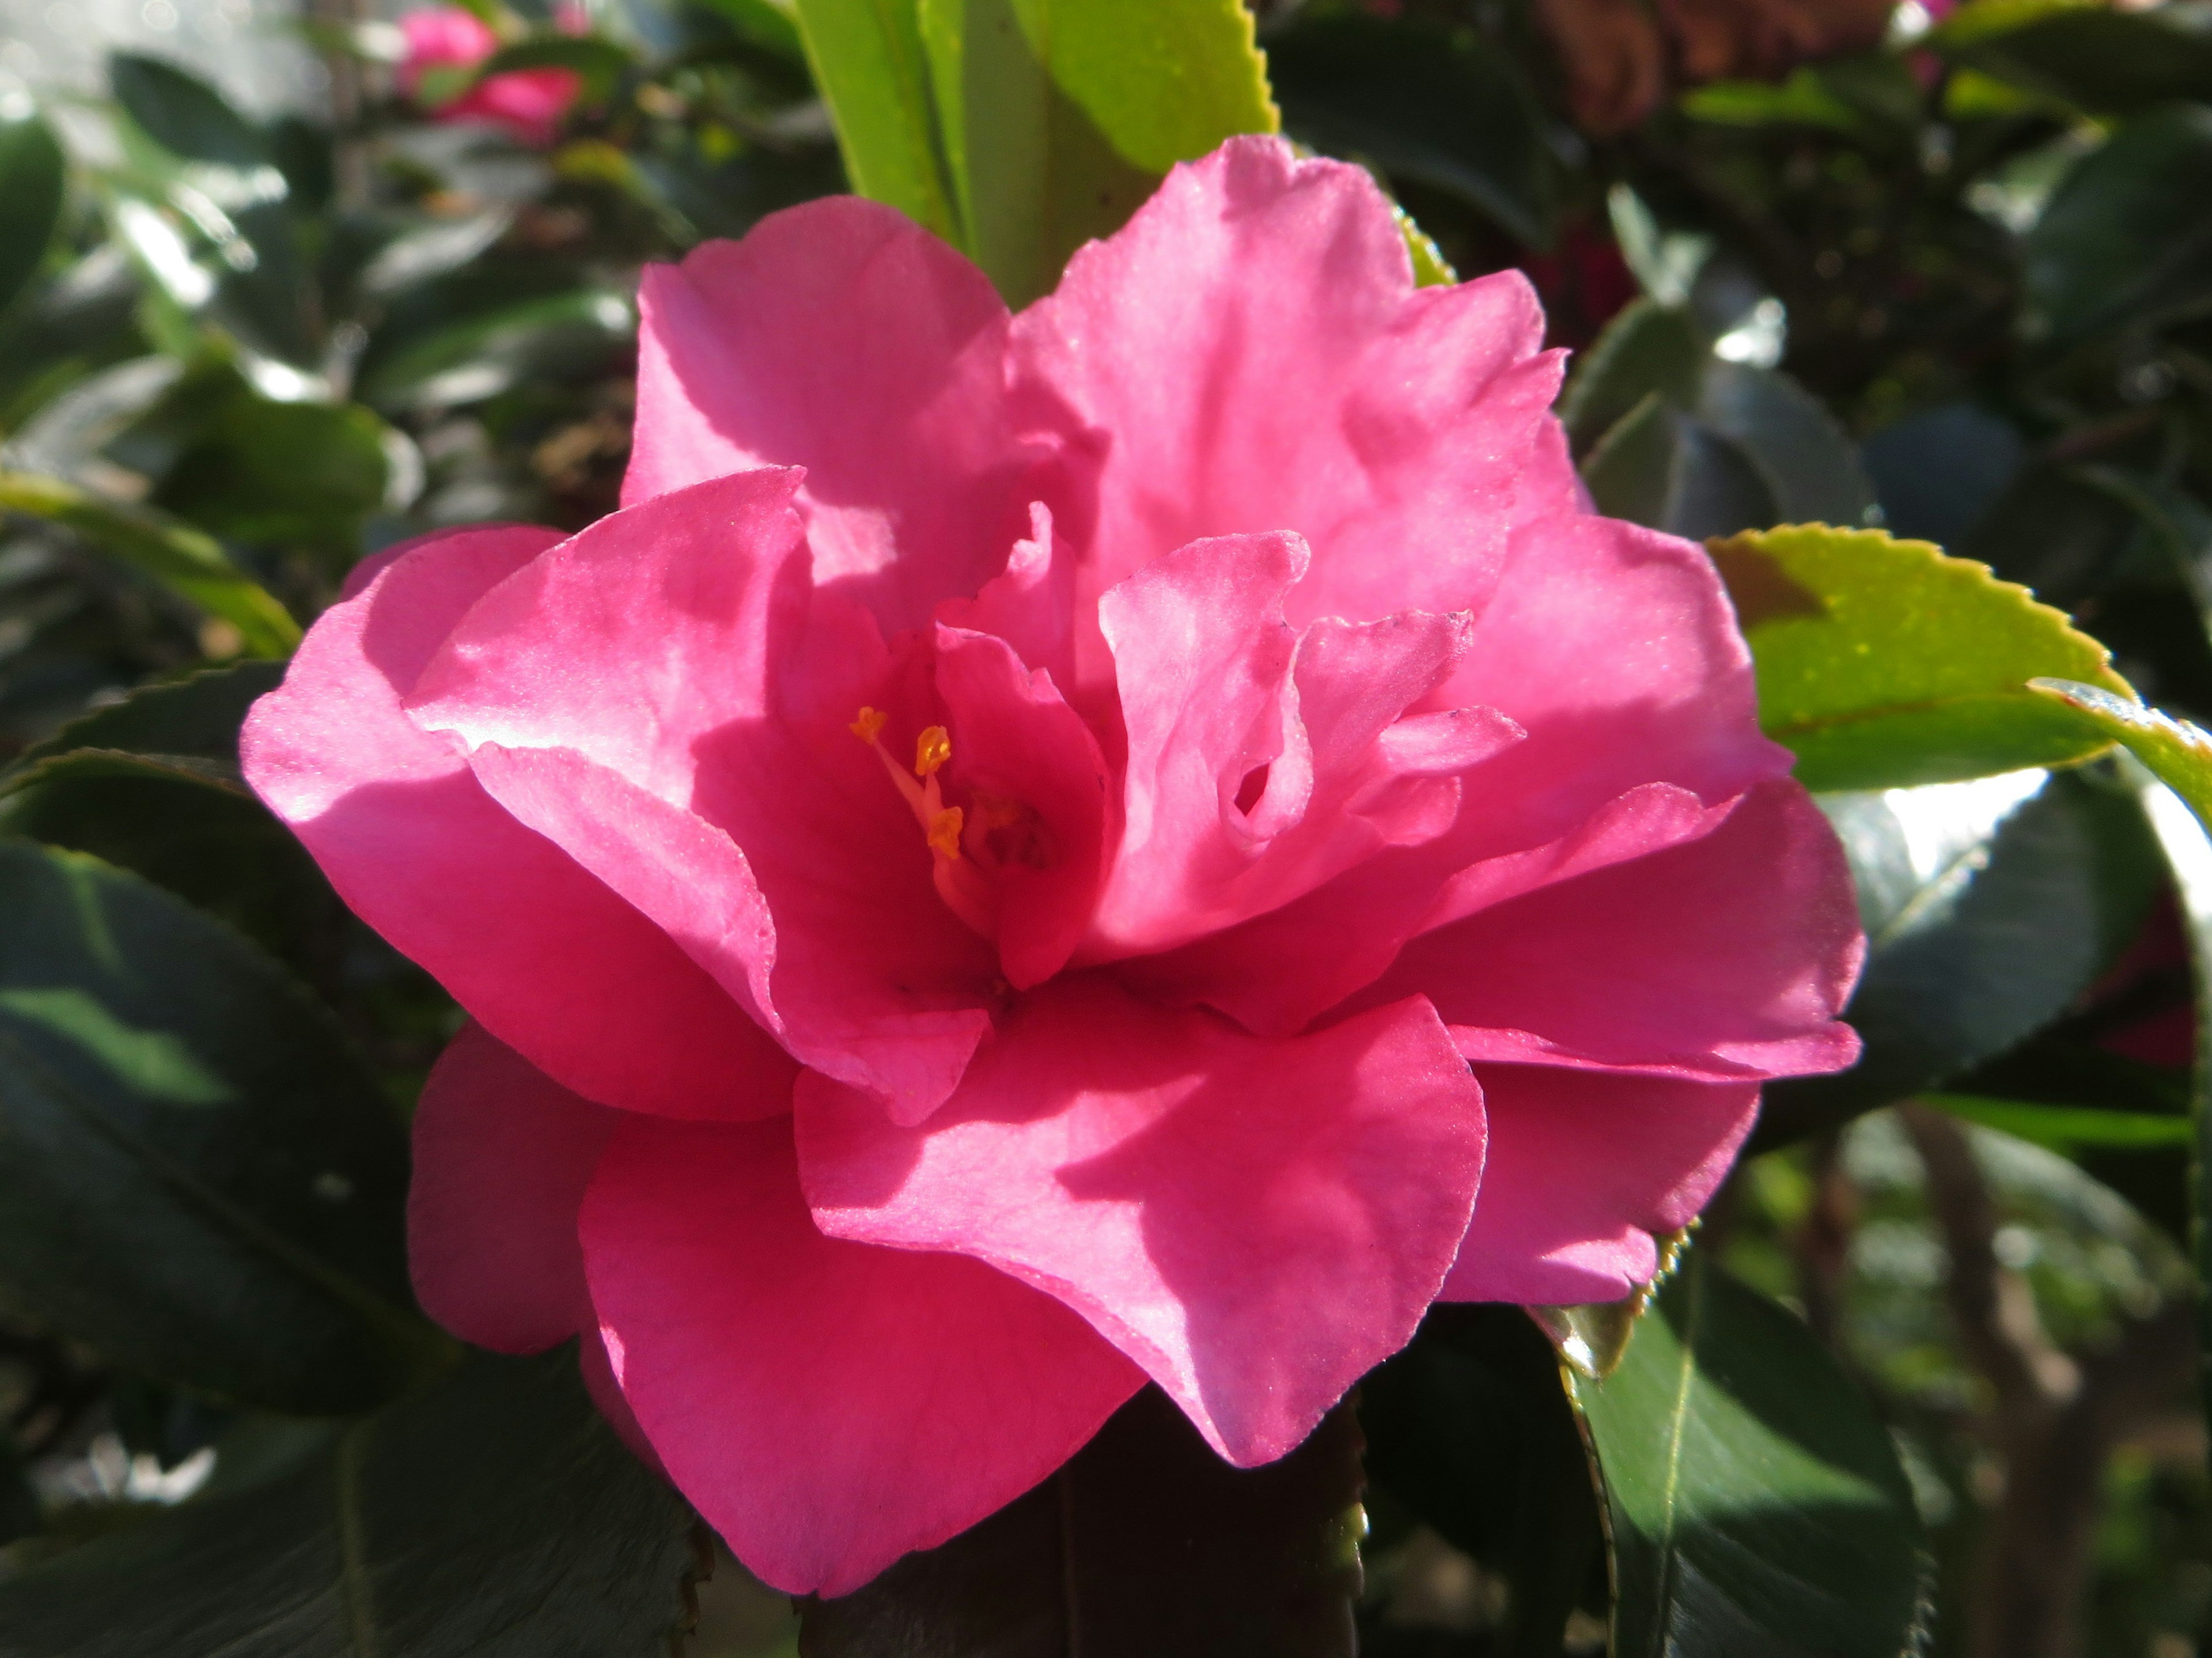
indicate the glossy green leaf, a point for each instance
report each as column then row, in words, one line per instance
column 1058, row 118
column 496, row 1516
column 1145, row 1542
column 183, row 560
column 31, row 179
column 1647, row 349
column 187, row 729
column 1985, row 936
column 866, row 57
column 1883, row 664
column 484, row 353
column 184, row 114
column 1449, row 109
column 196, row 1176
column 1470, row 1428
column 280, row 471
column 2124, row 238
column 2177, row 751
column 2068, row 1128
column 1756, row 1504
column 1672, row 472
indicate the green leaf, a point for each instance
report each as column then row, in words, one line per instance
column 31, row 179
column 186, row 729
column 1648, row 349
column 1470, row 1429
column 599, row 63
column 1986, row 936
column 2124, row 240
column 2176, row 751
column 2068, row 1128
column 1884, row 664
column 197, row 1176
column 1058, row 117
column 866, row 57
column 267, row 471
column 1661, row 467
column 184, row 114
column 2095, row 57
column 183, row 560
column 481, row 354
column 1447, row 109
column 1757, row 1504
column 496, row 1516
column 1145, row 1542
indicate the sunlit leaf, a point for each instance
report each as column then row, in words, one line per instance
column 1884, row 663
column 866, row 55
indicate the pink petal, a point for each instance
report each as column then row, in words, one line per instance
column 545, row 956
column 1615, row 650
column 1261, row 762
column 442, row 35
column 827, row 1406
column 1015, row 738
column 1250, row 353
column 1726, row 955
column 703, row 695
column 1584, row 1169
column 842, row 337
column 1255, row 1223
column 502, row 1153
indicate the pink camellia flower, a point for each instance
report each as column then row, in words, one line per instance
column 1153, row 838
column 527, row 102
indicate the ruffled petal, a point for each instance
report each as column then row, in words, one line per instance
column 1255, row 1223
column 826, row 1406
column 1615, row 651
column 543, row 956
column 842, row 337
column 1249, row 353
column 666, row 698
column 502, row 1154
column 1726, row 955
column 1584, row 1167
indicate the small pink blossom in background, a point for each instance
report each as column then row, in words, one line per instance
column 527, row 102
column 1150, row 839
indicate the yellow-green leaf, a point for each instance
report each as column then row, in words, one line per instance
column 2181, row 753
column 1884, row 664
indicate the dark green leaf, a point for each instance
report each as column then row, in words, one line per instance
column 1647, row 349
column 1969, row 957
column 496, row 1516
column 1884, row 664
column 1661, row 467
column 599, row 63
column 199, row 1178
column 2125, row 238
column 184, row 114
column 182, row 559
column 1805, row 458
column 1470, row 1429
column 1058, row 117
column 2097, row 58
column 31, row 176
column 1146, row 1542
column 1449, row 111
column 282, row 471
column 19, row 1503
column 481, row 354
column 186, row 729
column 1758, row 1507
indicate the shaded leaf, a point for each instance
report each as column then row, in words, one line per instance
column 481, row 354
column 199, row 1178
column 1145, row 1542
column 1670, row 471
column 496, row 1516
column 1448, row 110
column 1756, row 1504
column 184, row 114
column 2066, row 1128
column 187, row 728
column 2125, row 238
column 31, row 178
column 280, row 471
column 2096, row 58
column 182, row 559
column 599, row 63
column 1980, row 941
column 1915, row 668
column 1649, row 348
column 1470, row 1428
column 1058, row 118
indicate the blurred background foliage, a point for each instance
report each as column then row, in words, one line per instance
column 1947, row 272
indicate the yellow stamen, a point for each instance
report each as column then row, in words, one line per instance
column 870, row 726
column 931, row 750
column 945, row 832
